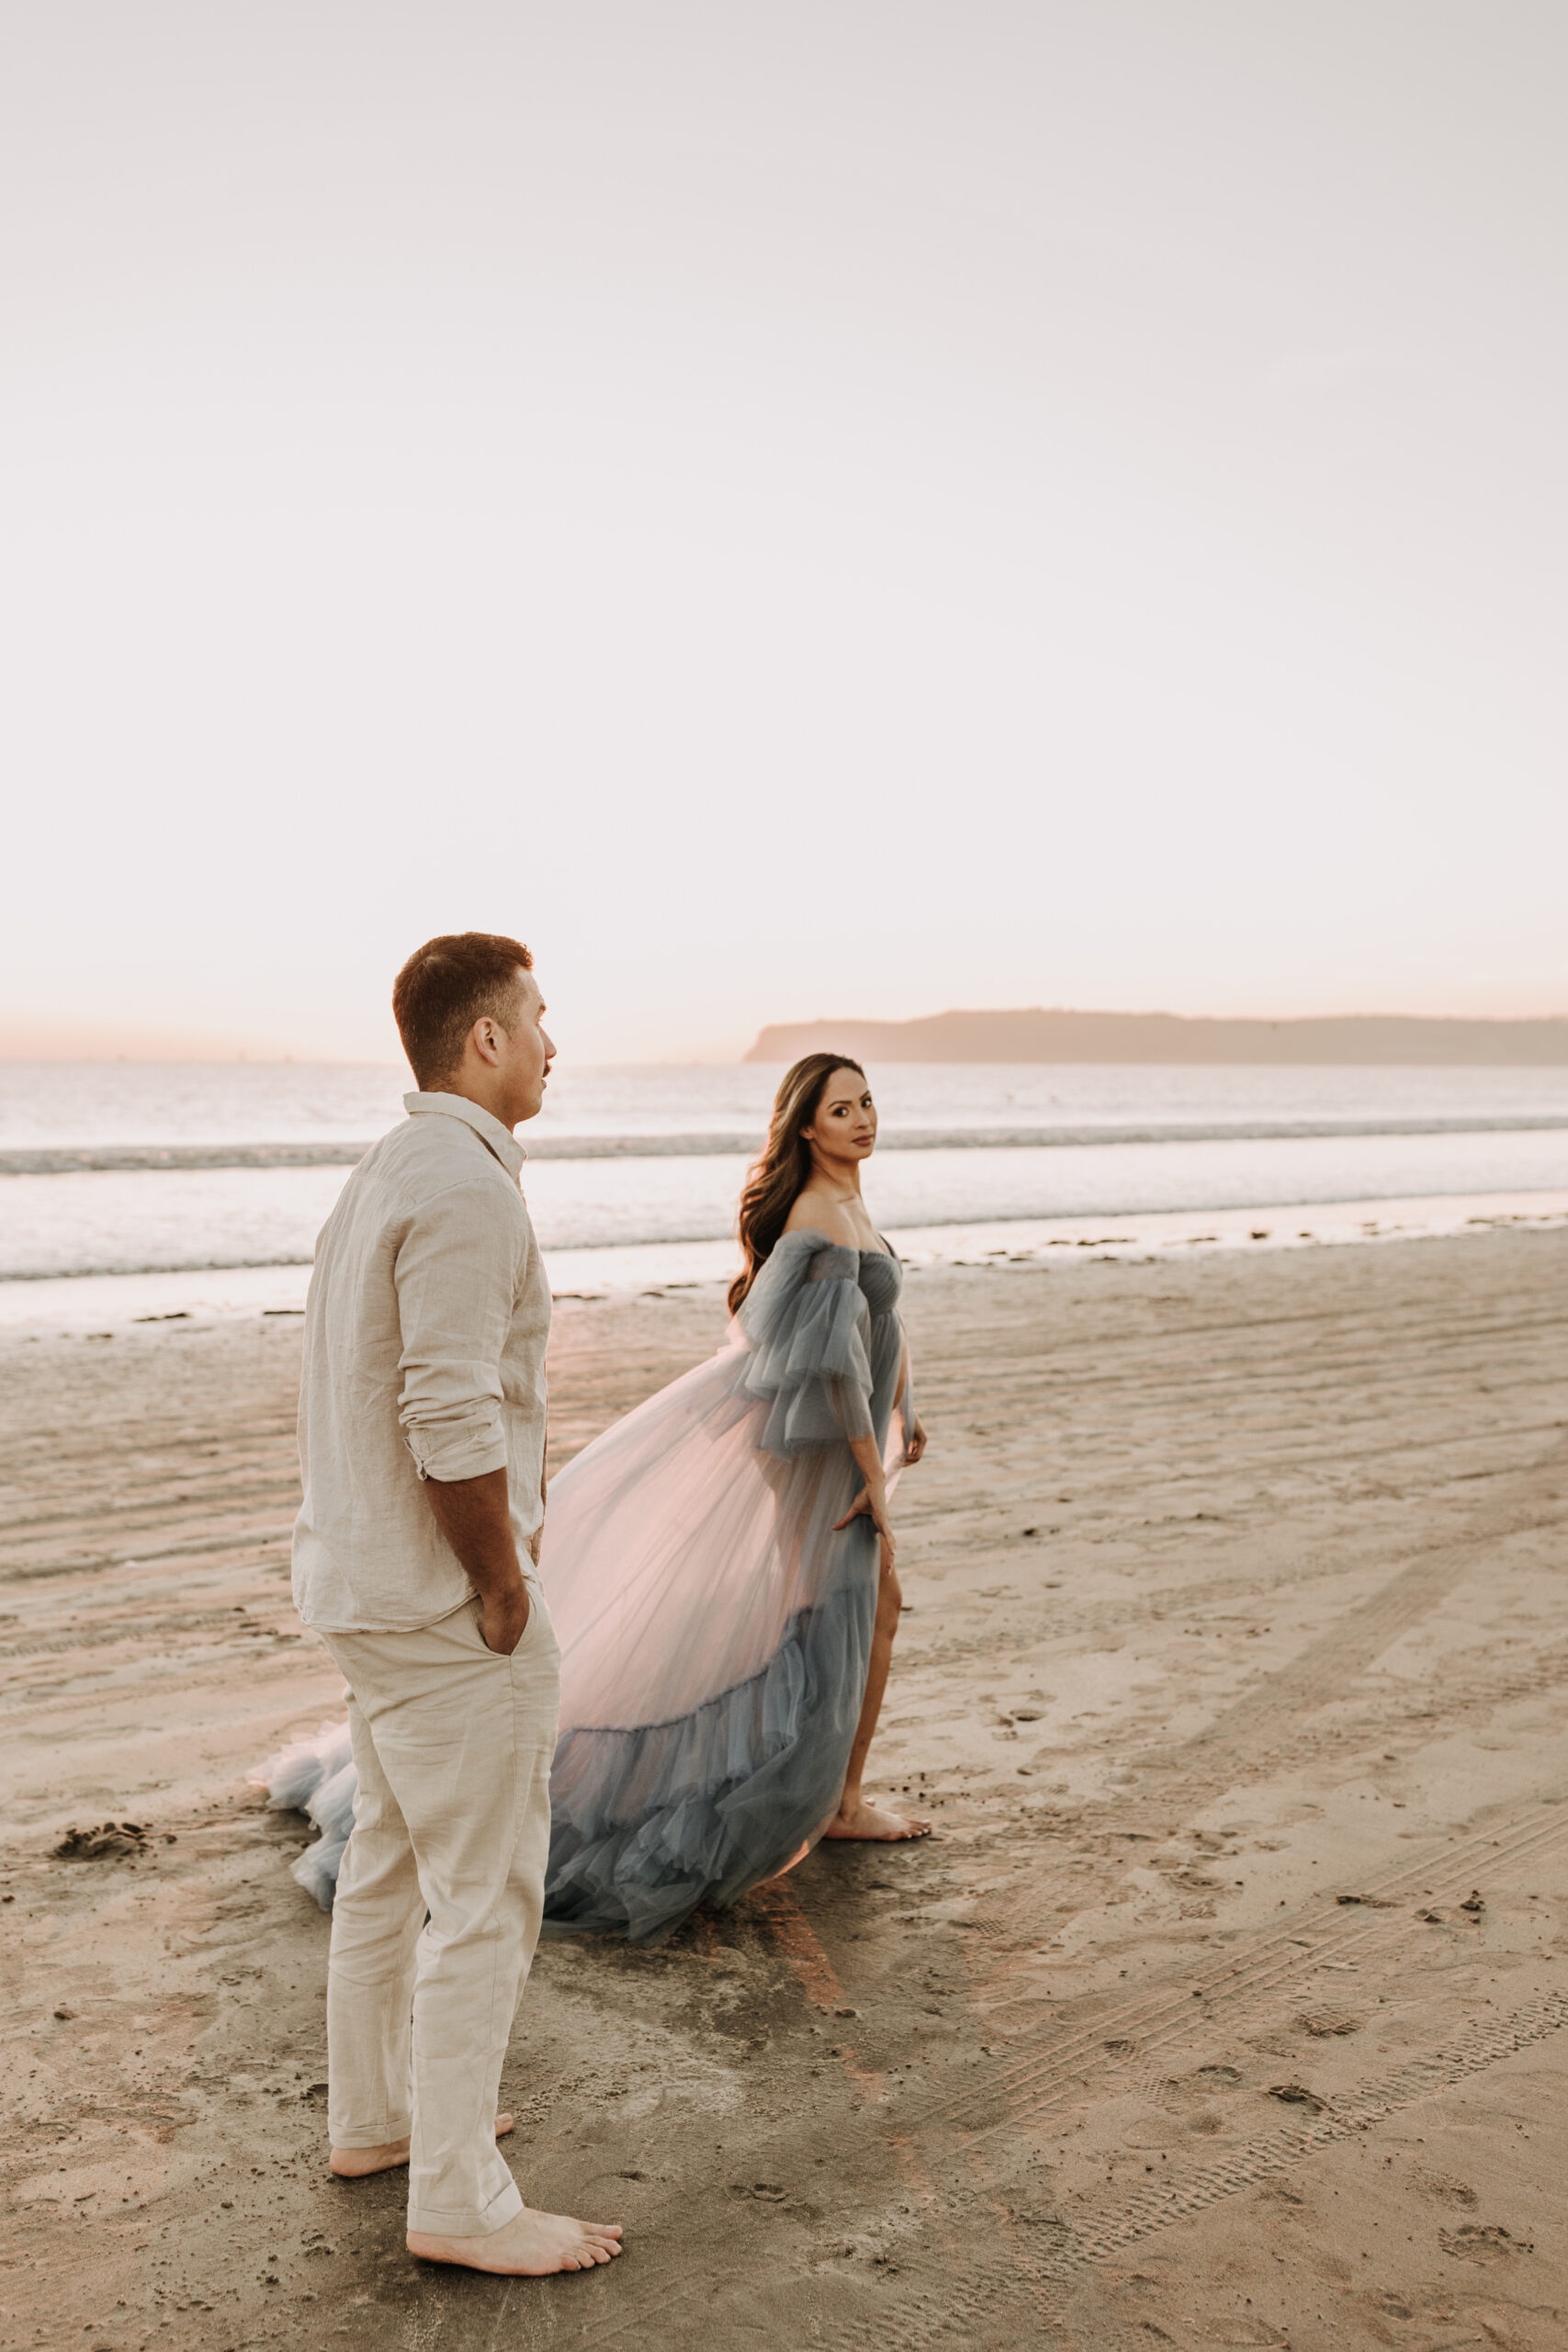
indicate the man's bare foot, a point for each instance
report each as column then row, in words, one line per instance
column 531, row 2245
column 866, row 1819
column 354, row 2164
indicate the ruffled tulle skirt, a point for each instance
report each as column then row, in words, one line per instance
column 715, row 1633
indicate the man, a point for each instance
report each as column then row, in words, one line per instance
column 422, row 1440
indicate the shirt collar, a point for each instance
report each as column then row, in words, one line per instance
column 499, row 1139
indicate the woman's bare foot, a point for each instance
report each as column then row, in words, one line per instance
column 866, row 1819
column 354, row 2164
column 531, row 2245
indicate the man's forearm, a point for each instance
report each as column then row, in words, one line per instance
column 475, row 1517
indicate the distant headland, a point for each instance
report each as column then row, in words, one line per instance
column 1040, row 1035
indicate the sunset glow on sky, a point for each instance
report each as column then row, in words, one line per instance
column 849, row 509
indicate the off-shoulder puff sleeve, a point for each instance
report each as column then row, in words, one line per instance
column 807, row 1324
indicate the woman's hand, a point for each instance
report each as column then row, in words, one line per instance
column 867, row 1506
column 915, row 1442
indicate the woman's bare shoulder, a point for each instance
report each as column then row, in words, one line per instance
column 818, row 1213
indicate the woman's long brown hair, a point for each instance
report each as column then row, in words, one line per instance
column 777, row 1180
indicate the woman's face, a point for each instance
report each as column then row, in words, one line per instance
column 844, row 1126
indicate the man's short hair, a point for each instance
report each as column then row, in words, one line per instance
column 446, row 987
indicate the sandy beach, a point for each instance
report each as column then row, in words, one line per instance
column 1225, row 2008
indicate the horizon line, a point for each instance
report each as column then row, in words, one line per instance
column 177, row 1048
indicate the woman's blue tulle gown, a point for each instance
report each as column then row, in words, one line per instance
column 715, row 1630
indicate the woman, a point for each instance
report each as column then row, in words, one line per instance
column 719, row 1568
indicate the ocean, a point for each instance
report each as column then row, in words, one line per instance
column 145, row 1180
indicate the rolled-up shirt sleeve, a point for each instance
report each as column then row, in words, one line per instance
column 455, row 1272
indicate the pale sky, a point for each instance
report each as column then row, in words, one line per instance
column 857, row 507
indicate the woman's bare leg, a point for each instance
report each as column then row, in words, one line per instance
column 857, row 1817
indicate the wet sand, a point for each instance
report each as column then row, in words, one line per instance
column 1226, row 2007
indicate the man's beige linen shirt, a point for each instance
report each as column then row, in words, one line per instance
column 425, row 1327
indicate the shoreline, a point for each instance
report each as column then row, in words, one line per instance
column 97, row 1302
column 121, row 1159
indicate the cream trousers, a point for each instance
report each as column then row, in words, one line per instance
column 439, row 1900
